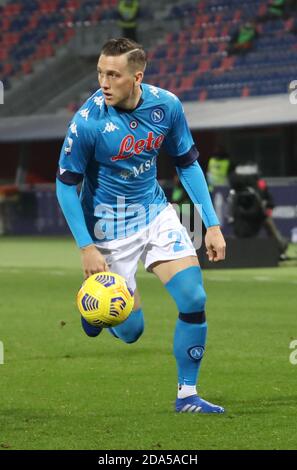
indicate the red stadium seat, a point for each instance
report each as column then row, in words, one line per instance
column 227, row 63
column 237, row 15
column 5, row 23
column 3, row 53
column 27, row 67
column 202, row 95
column 204, row 65
column 187, row 83
column 245, row 91
column 8, row 68
column 45, row 20
column 262, row 9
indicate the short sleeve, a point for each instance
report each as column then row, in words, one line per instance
column 77, row 149
column 179, row 141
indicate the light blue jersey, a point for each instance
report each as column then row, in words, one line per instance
column 114, row 152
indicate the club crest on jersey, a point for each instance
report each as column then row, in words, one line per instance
column 157, row 115
column 133, row 124
column 130, row 147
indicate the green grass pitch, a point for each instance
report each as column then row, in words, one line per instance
column 62, row 390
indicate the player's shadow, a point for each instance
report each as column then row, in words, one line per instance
column 263, row 406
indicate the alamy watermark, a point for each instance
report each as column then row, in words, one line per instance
column 293, row 355
column 1, row 93
column 1, row 353
column 293, row 92
column 124, row 220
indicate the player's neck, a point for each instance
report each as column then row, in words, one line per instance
column 133, row 101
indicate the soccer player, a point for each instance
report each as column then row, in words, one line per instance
column 122, row 214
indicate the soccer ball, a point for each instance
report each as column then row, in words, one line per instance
column 105, row 300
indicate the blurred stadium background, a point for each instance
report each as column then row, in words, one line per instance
column 243, row 102
column 48, row 58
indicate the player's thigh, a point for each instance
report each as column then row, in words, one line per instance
column 170, row 249
column 122, row 257
column 165, row 270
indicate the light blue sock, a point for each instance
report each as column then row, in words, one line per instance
column 131, row 329
column 189, row 346
column 187, row 290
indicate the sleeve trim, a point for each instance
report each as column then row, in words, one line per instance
column 185, row 160
column 69, row 177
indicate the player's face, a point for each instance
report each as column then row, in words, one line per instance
column 120, row 85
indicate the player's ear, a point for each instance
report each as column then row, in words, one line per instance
column 138, row 78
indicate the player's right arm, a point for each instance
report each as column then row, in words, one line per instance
column 92, row 260
column 75, row 154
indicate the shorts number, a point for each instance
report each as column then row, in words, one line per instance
column 181, row 240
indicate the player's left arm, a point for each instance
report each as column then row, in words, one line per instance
column 215, row 244
column 180, row 145
column 193, row 180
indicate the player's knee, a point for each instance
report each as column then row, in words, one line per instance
column 187, row 290
column 195, row 299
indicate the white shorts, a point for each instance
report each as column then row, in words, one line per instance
column 165, row 238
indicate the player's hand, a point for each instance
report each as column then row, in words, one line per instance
column 92, row 261
column 215, row 244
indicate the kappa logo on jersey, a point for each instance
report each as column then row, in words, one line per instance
column 154, row 91
column 73, row 129
column 157, row 115
column 130, row 147
column 110, row 127
column 85, row 113
column 99, row 101
column 69, row 148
